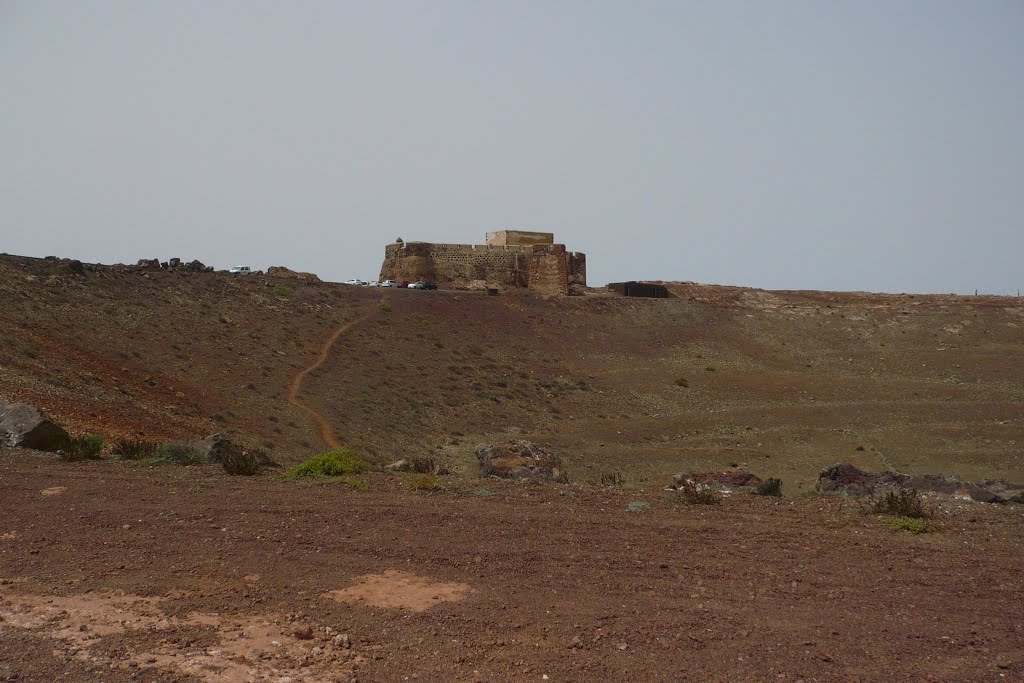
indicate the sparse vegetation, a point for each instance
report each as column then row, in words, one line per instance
column 695, row 494
column 771, row 486
column 638, row 506
column 613, row 479
column 336, row 463
column 88, row 447
column 682, row 382
column 427, row 483
column 384, row 307
column 914, row 525
column 281, row 290
column 133, row 449
column 900, row 503
column 179, row 453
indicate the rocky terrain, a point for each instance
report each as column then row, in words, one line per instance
column 123, row 570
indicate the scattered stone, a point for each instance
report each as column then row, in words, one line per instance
column 849, row 479
column 733, row 482
column 25, row 426
column 418, row 466
column 220, row 449
column 304, row 632
column 521, row 460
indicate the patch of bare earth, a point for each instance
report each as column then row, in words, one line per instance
column 396, row 589
column 132, row 633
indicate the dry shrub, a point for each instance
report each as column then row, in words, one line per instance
column 133, row 449
column 613, row 479
column 900, row 503
column 695, row 494
column 771, row 486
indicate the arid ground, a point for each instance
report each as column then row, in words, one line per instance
column 116, row 570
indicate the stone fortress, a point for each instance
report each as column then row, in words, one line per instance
column 509, row 259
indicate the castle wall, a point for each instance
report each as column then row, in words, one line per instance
column 456, row 263
column 545, row 268
column 519, row 238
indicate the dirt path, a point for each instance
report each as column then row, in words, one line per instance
column 326, row 433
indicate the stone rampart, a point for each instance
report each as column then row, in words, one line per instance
column 546, row 268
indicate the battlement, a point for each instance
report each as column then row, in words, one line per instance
column 510, row 259
column 519, row 238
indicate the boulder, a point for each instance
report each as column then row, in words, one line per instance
column 417, row 465
column 288, row 273
column 196, row 267
column 26, row 426
column 734, row 482
column 849, row 479
column 217, row 447
column 521, row 460
column 153, row 263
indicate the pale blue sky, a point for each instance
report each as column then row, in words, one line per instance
column 827, row 145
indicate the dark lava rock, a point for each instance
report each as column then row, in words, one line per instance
column 849, row 479
column 521, row 460
column 28, row 427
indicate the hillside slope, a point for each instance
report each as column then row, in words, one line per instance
column 781, row 382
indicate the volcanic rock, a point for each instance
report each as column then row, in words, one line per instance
column 734, row 482
column 28, row 427
column 849, row 479
column 521, row 460
column 282, row 272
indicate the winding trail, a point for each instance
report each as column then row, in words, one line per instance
column 326, row 433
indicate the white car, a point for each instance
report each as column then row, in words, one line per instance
column 358, row 283
column 373, row 284
column 388, row 283
column 241, row 270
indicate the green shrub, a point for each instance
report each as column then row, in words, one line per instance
column 281, row 290
column 769, row 487
column 427, row 482
column 639, row 506
column 384, row 307
column 914, row 525
column 336, row 463
column 88, row 447
column 900, row 503
column 133, row 449
column 179, row 453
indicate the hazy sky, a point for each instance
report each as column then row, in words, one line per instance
column 871, row 145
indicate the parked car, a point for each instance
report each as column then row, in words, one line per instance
column 403, row 284
column 428, row 285
column 388, row 283
column 241, row 270
column 373, row 283
column 358, row 283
